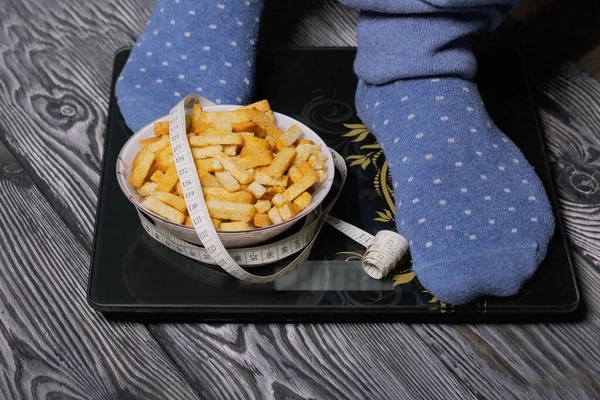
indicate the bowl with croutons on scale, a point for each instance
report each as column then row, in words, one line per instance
column 260, row 172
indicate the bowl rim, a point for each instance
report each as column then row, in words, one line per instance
column 328, row 183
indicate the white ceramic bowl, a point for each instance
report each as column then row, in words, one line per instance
column 229, row 239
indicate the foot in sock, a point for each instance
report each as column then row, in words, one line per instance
column 190, row 47
column 473, row 209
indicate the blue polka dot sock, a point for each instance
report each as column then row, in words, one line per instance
column 189, row 46
column 476, row 215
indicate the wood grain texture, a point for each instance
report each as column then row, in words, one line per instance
column 56, row 61
column 52, row 344
column 309, row 361
column 55, row 69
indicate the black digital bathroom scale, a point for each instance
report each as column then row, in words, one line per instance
column 132, row 276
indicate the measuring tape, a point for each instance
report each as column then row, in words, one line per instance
column 384, row 250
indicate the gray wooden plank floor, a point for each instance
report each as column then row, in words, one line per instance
column 52, row 344
column 55, row 74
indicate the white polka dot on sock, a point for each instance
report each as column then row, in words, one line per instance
column 172, row 22
column 206, row 48
column 240, row 23
column 451, row 140
column 428, row 244
column 470, row 109
column 184, row 57
column 473, row 130
column 514, row 230
column 405, row 159
column 181, row 76
column 466, row 89
column 511, row 209
column 168, row 44
column 138, row 86
column 505, row 140
column 142, row 69
column 159, row 81
column 177, row 94
column 435, row 80
column 387, row 121
column 534, row 219
column 165, row 63
column 524, row 181
column 233, row 43
column 479, row 153
column 415, row 200
column 437, row 181
column 464, row 190
column 448, row 227
column 484, row 177
column 212, row 26
column 411, row 116
column 187, row 34
column 198, row 89
column 412, row 178
column 192, row 12
column 444, row 118
column 501, row 167
column 246, row 81
column 515, row 161
column 421, row 220
column 238, row 99
column 404, row 99
column 428, row 156
column 492, row 222
column 531, row 198
column 396, row 140
column 419, row 135
column 507, row 190
column 203, row 68
column 218, row 101
column 467, row 212
column 149, row 53
column 228, row 64
column 155, row 32
column 458, row 164
column 377, row 104
column 472, row 237
column 120, row 78
column 439, row 98
column 222, row 81
column 442, row 202
column 487, row 198
column 221, row 6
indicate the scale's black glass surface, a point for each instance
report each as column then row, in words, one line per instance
column 133, row 276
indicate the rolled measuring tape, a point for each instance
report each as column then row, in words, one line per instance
column 383, row 250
